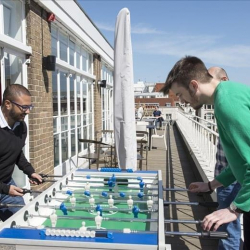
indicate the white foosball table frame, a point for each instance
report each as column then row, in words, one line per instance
column 42, row 199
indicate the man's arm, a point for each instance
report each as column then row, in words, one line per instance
column 27, row 168
column 24, row 165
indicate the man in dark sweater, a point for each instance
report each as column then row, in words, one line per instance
column 15, row 106
column 157, row 113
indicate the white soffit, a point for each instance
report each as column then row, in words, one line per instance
column 72, row 17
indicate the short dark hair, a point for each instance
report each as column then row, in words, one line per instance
column 186, row 69
column 14, row 90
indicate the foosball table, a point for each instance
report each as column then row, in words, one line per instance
column 89, row 209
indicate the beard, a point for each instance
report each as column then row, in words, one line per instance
column 195, row 101
column 17, row 117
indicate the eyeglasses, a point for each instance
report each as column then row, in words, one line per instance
column 23, row 107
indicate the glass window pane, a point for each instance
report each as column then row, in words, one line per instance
column 89, row 63
column 85, row 135
column 84, row 60
column 12, row 13
column 64, row 123
column 90, row 98
column 63, row 41
column 64, row 101
column 84, row 96
column 13, row 69
column 56, row 150
column 72, row 96
column 55, row 125
column 73, row 142
column 79, row 136
column 65, row 144
column 72, row 121
column 78, row 95
column 91, row 133
column 84, row 120
column 55, row 93
column 79, row 121
column 78, row 56
column 54, row 41
column 54, row 46
column 71, row 53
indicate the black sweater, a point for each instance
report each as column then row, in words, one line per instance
column 11, row 144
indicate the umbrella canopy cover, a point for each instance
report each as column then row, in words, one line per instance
column 124, row 103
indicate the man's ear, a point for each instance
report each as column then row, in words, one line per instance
column 224, row 78
column 193, row 87
column 7, row 104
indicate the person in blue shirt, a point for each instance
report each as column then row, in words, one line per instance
column 157, row 113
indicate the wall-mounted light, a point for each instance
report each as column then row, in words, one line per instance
column 102, row 83
column 49, row 62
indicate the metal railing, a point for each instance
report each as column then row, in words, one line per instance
column 201, row 139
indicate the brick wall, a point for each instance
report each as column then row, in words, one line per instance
column 97, row 94
column 40, row 86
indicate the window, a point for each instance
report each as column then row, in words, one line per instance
column 72, row 114
column 209, row 116
column 12, row 19
column 13, row 69
column 78, row 56
column 63, row 44
column 71, row 53
column 84, row 60
column 54, row 41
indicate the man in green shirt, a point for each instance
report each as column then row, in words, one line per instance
column 190, row 80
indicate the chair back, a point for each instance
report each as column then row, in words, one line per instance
column 141, row 126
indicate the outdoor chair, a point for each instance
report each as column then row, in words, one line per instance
column 156, row 136
column 142, row 147
column 90, row 155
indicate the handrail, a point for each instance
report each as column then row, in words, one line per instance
column 202, row 141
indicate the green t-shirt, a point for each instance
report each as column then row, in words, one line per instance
column 232, row 112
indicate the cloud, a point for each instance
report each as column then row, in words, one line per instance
column 104, row 26
column 142, row 29
column 136, row 29
column 208, row 48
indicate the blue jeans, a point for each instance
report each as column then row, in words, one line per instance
column 224, row 197
column 5, row 213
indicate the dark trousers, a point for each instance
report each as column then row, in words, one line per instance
column 246, row 226
column 160, row 119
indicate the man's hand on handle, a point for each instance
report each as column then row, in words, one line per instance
column 198, row 187
column 217, row 218
column 36, row 179
column 15, row 191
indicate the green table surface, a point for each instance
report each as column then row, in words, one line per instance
column 90, row 223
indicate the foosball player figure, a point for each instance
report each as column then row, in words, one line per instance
column 150, row 203
column 53, row 218
column 98, row 220
column 83, row 228
column 111, row 202
column 130, row 203
column 87, row 186
column 92, row 202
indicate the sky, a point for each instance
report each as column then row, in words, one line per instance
column 162, row 32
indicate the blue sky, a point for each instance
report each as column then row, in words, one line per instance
column 165, row 31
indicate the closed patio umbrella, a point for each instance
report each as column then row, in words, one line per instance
column 124, row 104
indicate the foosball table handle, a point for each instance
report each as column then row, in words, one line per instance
column 215, row 235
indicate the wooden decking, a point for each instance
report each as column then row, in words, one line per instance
column 180, row 175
